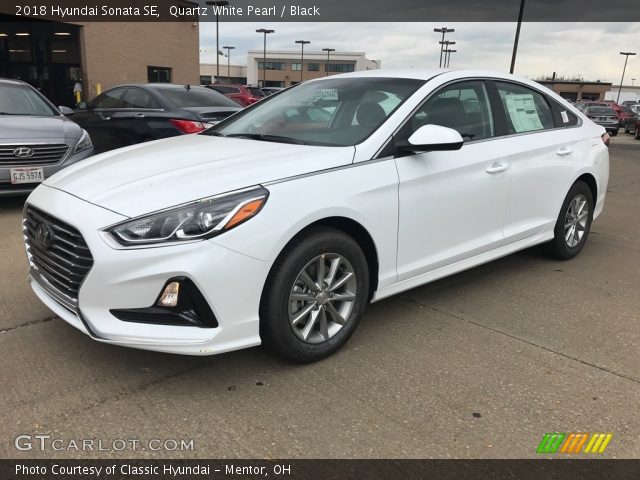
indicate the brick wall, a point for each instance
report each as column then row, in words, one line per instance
column 119, row 52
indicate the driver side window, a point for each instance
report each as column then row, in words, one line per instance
column 462, row 106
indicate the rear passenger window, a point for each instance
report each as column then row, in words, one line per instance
column 526, row 110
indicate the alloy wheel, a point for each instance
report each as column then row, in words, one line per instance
column 322, row 298
column 575, row 223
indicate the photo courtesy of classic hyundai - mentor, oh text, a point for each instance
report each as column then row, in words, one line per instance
column 278, row 225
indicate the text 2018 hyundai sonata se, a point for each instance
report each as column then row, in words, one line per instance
column 282, row 222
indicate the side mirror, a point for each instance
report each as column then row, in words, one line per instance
column 430, row 138
column 82, row 105
column 66, row 111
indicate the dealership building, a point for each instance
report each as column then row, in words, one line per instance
column 54, row 56
column 284, row 68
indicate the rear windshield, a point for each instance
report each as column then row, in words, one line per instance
column 22, row 100
column 196, row 97
column 602, row 110
column 256, row 92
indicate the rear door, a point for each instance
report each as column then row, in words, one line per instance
column 138, row 120
column 542, row 152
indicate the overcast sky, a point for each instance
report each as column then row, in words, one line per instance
column 590, row 50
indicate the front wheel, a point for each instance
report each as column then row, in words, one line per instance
column 573, row 224
column 315, row 295
column 637, row 133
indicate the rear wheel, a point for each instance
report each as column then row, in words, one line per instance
column 637, row 133
column 573, row 224
column 315, row 296
column 614, row 133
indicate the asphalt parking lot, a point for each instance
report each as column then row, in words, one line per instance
column 478, row 365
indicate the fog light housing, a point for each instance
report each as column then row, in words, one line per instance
column 169, row 297
column 180, row 303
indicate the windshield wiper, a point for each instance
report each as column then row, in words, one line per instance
column 266, row 138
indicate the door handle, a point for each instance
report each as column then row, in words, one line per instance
column 497, row 167
column 564, row 151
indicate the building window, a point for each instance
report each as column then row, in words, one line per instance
column 340, row 67
column 205, row 79
column 158, row 75
column 296, row 67
column 271, row 66
column 313, row 67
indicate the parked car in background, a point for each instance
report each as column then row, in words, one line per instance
column 629, row 103
column 36, row 139
column 271, row 90
column 622, row 111
column 136, row 113
column 265, row 228
column 243, row 94
column 636, row 129
column 603, row 115
column 629, row 123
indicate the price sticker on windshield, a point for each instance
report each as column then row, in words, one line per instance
column 329, row 94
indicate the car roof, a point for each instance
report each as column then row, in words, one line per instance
column 155, row 85
column 12, row 81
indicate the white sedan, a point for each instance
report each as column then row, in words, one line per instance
column 280, row 224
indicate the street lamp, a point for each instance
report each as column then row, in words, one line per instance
column 218, row 3
column 626, row 58
column 448, row 57
column 517, row 39
column 446, row 46
column 328, row 50
column 228, row 49
column 443, row 31
column 264, row 55
column 302, row 44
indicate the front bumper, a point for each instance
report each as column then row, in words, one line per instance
column 8, row 189
column 230, row 282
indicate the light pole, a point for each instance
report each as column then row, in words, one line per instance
column 264, row 55
column 228, row 49
column 218, row 3
column 449, row 56
column 443, row 31
column 626, row 58
column 328, row 50
column 517, row 39
column 447, row 44
column 302, row 44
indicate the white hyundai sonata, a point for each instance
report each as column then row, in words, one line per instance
column 280, row 224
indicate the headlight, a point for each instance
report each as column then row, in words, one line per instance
column 84, row 142
column 199, row 220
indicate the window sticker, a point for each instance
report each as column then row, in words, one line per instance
column 523, row 112
column 565, row 117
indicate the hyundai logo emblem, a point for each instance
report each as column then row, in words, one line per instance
column 44, row 235
column 24, row 152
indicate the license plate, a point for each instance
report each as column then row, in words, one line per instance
column 27, row 175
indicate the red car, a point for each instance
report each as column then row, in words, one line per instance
column 637, row 129
column 243, row 94
column 624, row 113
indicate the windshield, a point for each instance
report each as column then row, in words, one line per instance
column 197, row 97
column 18, row 99
column 332, row 112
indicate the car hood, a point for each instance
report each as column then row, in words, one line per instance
column 147, row 177
column 25, row 128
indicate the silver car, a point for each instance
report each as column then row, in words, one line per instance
column 36, row 139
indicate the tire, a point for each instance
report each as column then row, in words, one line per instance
column 637, row 135
column 626, row 128
column 283, row 321
column 564, row 246
column 614, row 133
